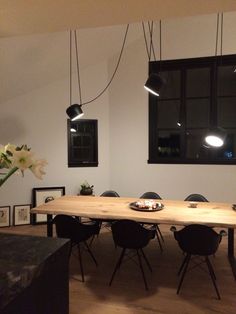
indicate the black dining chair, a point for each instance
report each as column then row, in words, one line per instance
column 196, row 198
column 198, row 240
column 154, row 195
column 110, row 193
column 108, row 222
column 130, row 235
column 71, row 228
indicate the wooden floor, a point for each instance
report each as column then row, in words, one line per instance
column 127, row 294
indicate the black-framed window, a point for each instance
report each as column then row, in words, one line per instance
column 82, row 143
column 199, row 94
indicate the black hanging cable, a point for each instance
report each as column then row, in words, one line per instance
column 77, row 63
column 217, row 34
column 160, row 44
column 146, row 44
column 221, row 35
column 150, row 27
column 116, row 68
column 70, row 61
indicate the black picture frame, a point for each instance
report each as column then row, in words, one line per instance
column 21, row 214
column 5, row 216
column 43, row 195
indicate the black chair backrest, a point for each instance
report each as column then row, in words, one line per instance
column 71, row 228
column 130, row 234
column 110, row 193
column 198, row 240
column 151, row 195
column 196, row 198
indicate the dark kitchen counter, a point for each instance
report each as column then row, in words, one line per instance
column 33, row 275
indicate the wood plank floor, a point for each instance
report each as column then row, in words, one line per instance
column 127, row 294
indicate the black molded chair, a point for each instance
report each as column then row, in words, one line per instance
column 196, row 198
column 78, row 233
column 198, row 240
column 130, row 235
column 154, row 195
column 110, row 193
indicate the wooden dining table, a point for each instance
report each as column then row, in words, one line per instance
column 174, row 212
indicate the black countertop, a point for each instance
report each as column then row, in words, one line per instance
column 24, row 258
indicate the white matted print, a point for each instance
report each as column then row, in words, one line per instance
column 4, row 216
column 21, row 215
column 45, row 195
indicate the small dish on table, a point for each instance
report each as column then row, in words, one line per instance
column 146, row 205
column 193, row 204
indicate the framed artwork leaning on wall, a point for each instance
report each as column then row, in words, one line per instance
column 44, row 195
column 5, row 212
column 21, row 214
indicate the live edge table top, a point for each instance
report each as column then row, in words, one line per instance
column 174, row 212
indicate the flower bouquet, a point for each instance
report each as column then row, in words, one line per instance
column 19, row 158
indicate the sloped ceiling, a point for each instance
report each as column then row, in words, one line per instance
column 18, row 17
column 34, row 46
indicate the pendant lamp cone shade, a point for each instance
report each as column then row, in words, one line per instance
column 215, row 138
column 154, row 84
column 74, row 112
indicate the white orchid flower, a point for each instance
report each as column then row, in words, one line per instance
column 37, row 168
column 22, row 159
column 10, row 148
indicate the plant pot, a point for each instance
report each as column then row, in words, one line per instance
column 86, row 191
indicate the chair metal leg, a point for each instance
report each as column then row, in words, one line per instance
column 141, row 267
column 80, row 262
column 184, row 272
column 117, row 266
column 212, row 269
column 90, row 252
column 158, row 229
column 158, row 239
column 211, row 272
column 182, row 265
column 146, row 260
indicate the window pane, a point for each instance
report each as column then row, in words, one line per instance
column 228, row 150
column 227, row 112
column 198, row 82
column 226, row 80
column 197, row 113
column 194, row 144
column 171, row 88
column 168, row 144
column 168, row 114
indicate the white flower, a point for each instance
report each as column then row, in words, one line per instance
column 37, row 168
column 10, row 148
column 22, row 159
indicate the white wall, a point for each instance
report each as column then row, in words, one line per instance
column 130, row 173
column 38, row 118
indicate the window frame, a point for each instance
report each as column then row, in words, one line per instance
column 72, row 162
column 182, row 65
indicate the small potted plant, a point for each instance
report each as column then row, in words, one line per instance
column 86, row 189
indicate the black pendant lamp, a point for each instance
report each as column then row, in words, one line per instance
column 74, row 111
column 154, row 82
column 216, row 137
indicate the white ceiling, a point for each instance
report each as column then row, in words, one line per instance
column 32, row 61
column 18, row 17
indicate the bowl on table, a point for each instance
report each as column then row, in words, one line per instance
column 193, row 204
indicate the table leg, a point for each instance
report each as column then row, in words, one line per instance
column 231, row 256
column 49, row 226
